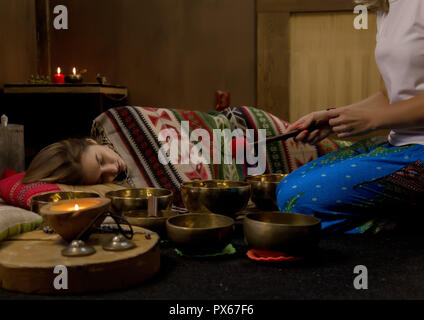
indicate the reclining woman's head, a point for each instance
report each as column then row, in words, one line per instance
column 75, row 161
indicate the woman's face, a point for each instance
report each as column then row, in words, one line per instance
column 100, row 164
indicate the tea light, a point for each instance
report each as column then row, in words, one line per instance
column 74, row 77
column 58, row 77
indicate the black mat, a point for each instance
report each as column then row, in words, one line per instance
column 395, row 264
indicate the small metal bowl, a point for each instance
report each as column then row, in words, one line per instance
column 287, row 232
column 140, row 218
column 200, row 232
column 42, row 199
column 264, row 189
column 126, row 200
column 224, row 197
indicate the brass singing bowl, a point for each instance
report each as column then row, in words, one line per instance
column 42, row 199
column 286, row 232
column 140, row 218
column 264, row 189
column 137, row 199
column 71, row 224
column 224, row 197
column 200, row 232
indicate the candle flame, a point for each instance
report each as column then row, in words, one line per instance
column 76, row 208
column 74, row 70
column 58, row 70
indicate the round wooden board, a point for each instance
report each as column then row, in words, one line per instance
column 27, row 263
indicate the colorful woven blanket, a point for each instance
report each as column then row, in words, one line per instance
column 133, row 132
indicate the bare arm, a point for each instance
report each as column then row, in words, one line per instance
column 375, row 113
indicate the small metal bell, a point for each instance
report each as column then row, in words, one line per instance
column 119, row 243
column 78, row 248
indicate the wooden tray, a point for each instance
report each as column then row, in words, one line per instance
column 27, row 263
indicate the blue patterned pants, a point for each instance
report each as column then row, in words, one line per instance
column 357, row 189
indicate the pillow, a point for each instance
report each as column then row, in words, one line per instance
column 14, row 221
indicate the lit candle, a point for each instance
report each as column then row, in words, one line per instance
column 58, row 77
column 75, row 205
column 74, row 77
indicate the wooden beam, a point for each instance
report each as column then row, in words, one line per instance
column 273, row 48
column 304, row 5
column 42, row 18
column 273, row 63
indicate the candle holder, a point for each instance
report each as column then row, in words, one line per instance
column 74, row 78
column 75, row 219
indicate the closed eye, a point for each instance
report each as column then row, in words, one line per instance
column 99, row 160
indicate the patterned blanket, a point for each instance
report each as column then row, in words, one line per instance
column 282, row 156
column 133, row 131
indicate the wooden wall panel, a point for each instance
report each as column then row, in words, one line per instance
column 18, row 48
column 331, row 63
column 303, row 5
column 326, row 72
column 273, row 63
column 170, row 53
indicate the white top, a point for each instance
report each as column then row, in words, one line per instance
column 400, row 58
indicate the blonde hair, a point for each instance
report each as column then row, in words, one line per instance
column 59, row 162
column 382, row 5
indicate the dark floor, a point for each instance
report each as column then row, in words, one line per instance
column 395, row 264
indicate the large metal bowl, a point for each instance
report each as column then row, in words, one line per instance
column 287, row 232
column 200, row 232
column 264, row 188
column 73, row 224
column 224, row 197
column 137, row 199
column 42, row 199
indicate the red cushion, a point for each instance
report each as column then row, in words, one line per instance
column 18, row 194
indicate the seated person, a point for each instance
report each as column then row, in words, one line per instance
column 370, row 178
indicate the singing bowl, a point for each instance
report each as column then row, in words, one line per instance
column 42, row 199
column 264, row 189
column 140, row 218
column 200, row 232
column 224, row 197
column 71, row 224
column 286, row 232
column 137, row 199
